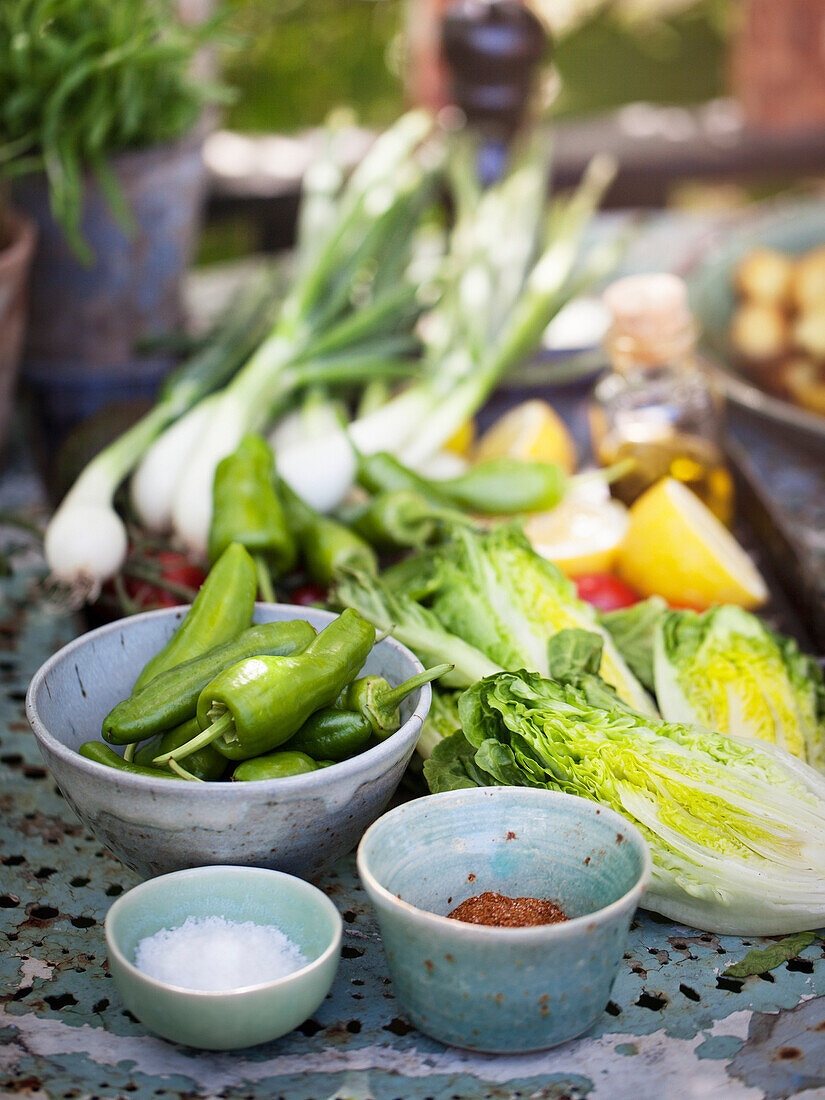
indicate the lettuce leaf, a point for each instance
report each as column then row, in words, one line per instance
column 633, row 629
column 498, row 594
column 452, row 766
column 574, row 652
column 440, row 722
column 414, row 625
column 762, row 959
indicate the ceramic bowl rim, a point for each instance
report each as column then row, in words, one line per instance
column 383, row 753
column 318, row 898
column 561, row 930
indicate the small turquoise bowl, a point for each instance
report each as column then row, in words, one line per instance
column 241, row 1017
column 503, row 990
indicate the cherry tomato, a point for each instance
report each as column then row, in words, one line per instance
column 174, row 567
column 178, row 569
column 605, row 592
column 305, row 595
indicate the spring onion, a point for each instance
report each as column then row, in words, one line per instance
column 346, row 296
column 500, row 289
column 85, row 541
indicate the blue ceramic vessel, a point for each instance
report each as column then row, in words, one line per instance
column 493, row 989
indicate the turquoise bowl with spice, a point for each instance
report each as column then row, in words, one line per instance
column 224, row 1019
column 503, row 989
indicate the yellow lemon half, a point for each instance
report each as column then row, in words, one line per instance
column 579, row 536
column 532, row 431
column 675, row 547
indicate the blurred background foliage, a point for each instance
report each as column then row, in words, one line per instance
column 304, row 57
column 610, row 58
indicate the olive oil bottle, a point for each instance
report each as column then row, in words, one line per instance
column 656, row 406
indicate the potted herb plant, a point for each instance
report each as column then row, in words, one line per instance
column 100, row 110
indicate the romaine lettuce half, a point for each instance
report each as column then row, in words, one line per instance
column 484, row 602
column 736, row 827
column 496, row 593
column 725, row 670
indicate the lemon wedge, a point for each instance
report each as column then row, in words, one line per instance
column 580, row 535
column 462, row 440
column 532, row 431
column 675, row 547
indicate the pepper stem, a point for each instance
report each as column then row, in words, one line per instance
column 221, row 725
column 396, row 695
column 182, row 772
column 607, row 474
column 265, row 586
column 129, row 752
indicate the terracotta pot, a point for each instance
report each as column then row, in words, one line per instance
column 15, row 261
column 87, row 322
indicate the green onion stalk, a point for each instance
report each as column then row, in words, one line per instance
column 500, row 291
column 348, row 316
column 85, row 541
column 347, row 303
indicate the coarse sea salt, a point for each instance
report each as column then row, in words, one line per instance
column 214, row 954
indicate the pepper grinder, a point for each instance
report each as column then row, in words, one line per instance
column 493, row 49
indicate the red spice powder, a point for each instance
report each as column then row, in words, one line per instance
column 504, row 912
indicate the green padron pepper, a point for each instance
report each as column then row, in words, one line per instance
column 404, row 517
column 256, row 705
column 332, row 734
column 506, row 486
column 326, row 545
column 378, row 701
column 383, row 473
column 246, row 509
column 172, row 697
column 103, row 754
column 274, row 765
column 499, row 486
column 207, row 764
column 220, row 611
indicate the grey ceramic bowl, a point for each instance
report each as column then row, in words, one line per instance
column 240, row 1017
column 503, row 990
column 300, row 824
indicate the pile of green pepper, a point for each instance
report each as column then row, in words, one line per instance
column 400, row 509
column 226, row 698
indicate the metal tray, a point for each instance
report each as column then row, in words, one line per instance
column 797, row 604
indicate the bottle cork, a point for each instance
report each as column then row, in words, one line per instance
column 652, row 322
